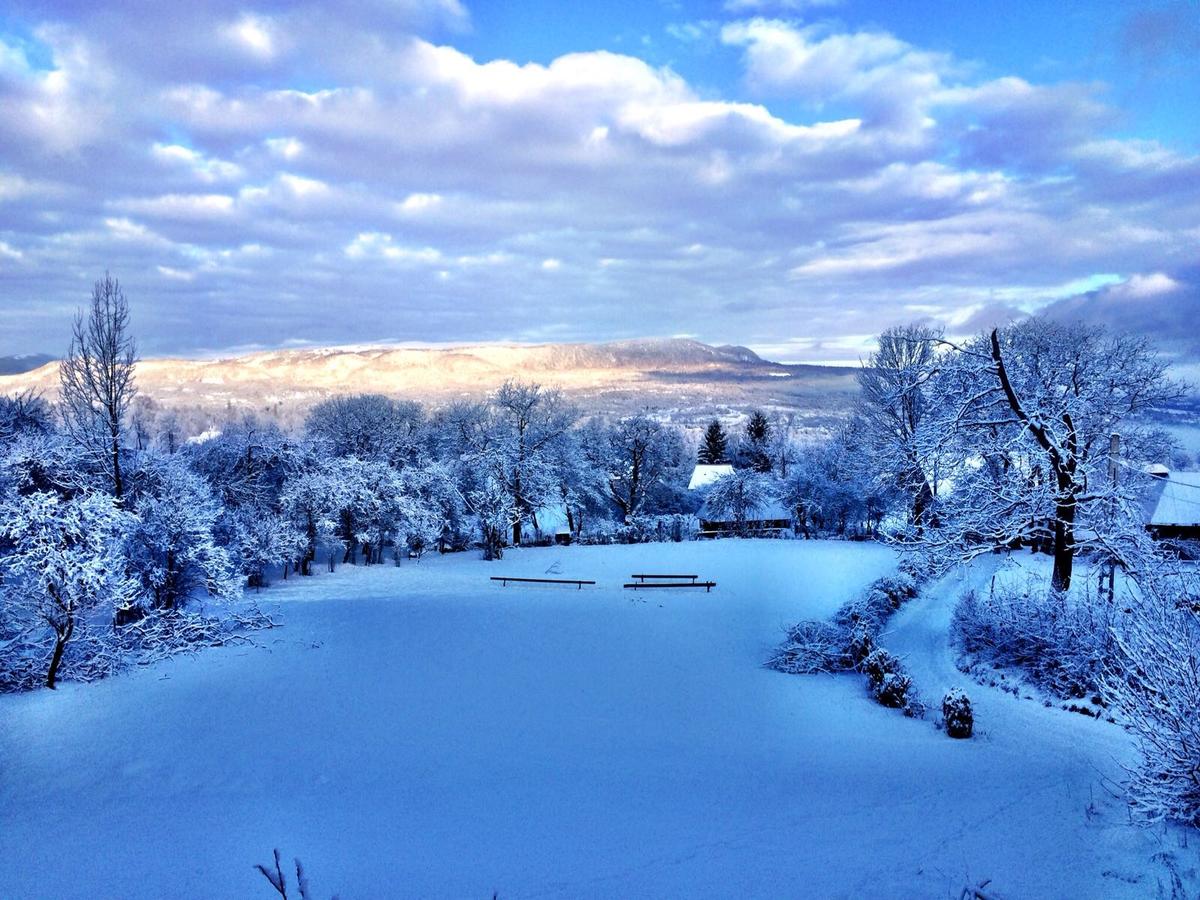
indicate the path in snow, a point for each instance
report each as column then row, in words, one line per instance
column 423, row 732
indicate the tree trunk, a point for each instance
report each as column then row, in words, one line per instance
column 1064, row 545
column 60, row 645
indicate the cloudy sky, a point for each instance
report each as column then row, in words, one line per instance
column 792, row 175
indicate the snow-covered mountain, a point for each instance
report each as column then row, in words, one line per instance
column 23, row 362
column 683, row 379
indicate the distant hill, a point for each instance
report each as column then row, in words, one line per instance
column 15, row 365
column 683, row 380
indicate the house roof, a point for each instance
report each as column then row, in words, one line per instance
column 705, row 474
column 1176, row 500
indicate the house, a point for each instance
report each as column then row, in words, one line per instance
column 1173, row 505
column 769, row 518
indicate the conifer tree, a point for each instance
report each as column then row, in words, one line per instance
column 713, row 448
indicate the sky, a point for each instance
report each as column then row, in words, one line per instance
column 790, row 175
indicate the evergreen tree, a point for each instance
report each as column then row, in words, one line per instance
column 713, row 448
column 758, row 435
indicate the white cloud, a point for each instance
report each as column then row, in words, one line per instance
column 420, row 202
column 763, row 6
column 256, row 35
column 1153, row 284
column 866, row 180
column 286, row 148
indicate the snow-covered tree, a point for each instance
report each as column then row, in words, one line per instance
column 496, row 511
column 781, row 443
column 831, row 489
column 65, row 563
column 419, row 508
column 310, row 502
column 258, row 539
column 638, row 457
column 369, row 427
column 22, row 415
column 1029, row 411
column 736, row 497
column 582, row 486
column 512, row 441
column 891, row 411
column 171, row 547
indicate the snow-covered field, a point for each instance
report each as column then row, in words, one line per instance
column 425, row 732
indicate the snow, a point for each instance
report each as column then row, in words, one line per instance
column 705, row 474
column 423, row 731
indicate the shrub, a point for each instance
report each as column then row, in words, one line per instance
column 899, row 589
column 958, row 714
column 1155, row 680
column 1062, row 642
column 870, row 611
column 889, row 683
column 877, row 665
column 893, row 690
column 859, row 645
column 813, row 647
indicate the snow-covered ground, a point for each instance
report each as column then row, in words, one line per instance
column 423, row 731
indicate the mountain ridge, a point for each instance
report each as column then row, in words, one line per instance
column 683, row 378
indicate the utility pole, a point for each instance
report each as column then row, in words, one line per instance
column 1108, row 574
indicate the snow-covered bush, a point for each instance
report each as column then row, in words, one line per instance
column 893, row 690
column 957, row 714
column 860, row 644
column 869, row 611
column 813, row 647
column 899, row 588
column 877, row 664
column 850, row 639
column 1062, row 642
column 889, row 684
column 1154, row 678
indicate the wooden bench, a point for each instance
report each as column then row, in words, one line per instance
column 665, row 577
column 505, row 579
column 638, row 585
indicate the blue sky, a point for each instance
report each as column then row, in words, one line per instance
column 1154, row 80
column 793, row 175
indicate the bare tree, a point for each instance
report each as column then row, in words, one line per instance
column 96, row 379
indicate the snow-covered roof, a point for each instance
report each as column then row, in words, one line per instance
column 706, row 474
column 1178, row 501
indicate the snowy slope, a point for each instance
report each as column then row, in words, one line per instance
column 425, row 732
